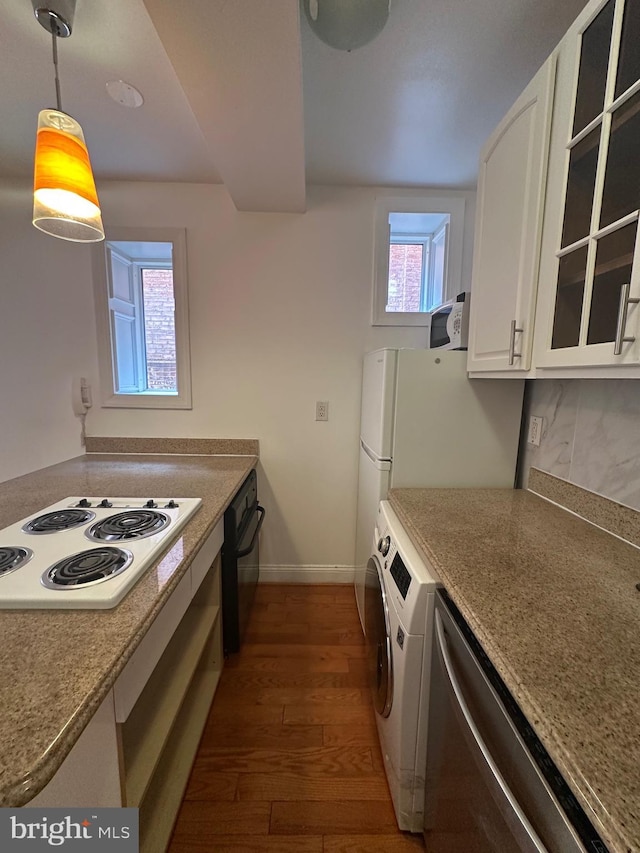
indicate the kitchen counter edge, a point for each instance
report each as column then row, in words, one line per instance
column 216, row 477
column 510, row 559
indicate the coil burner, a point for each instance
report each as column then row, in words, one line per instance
column 53, row 522
column 132, row 524
column 88, row 567
column 12, row 558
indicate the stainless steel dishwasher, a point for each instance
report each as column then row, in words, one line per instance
column 491, row 787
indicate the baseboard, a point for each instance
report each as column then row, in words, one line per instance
column 306, row 574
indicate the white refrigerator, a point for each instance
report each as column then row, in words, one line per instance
column 425, row 424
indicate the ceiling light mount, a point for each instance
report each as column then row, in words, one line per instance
column 56, row 16
column 124, row 94
column 65, row 201
column 346, row 24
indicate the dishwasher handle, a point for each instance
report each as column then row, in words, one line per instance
column 524, row 834
column 251, row 545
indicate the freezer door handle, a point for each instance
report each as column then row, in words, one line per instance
column 385, row 463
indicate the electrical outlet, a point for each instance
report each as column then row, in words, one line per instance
column 535, row 430
column 322, row 410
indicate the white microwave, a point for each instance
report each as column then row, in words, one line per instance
column 450, row 324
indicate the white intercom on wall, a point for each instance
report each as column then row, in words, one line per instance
column 80, row 395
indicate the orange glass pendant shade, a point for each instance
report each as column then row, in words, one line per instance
column 65, row 201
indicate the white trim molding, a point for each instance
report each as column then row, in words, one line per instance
column 306, row 574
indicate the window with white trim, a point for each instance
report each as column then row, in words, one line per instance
column 141, row 299
column 418, row 257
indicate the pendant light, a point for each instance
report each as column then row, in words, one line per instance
column 65, row 201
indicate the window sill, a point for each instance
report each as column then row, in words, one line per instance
column 147, row 400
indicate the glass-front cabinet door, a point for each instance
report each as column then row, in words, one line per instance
column 590, row 263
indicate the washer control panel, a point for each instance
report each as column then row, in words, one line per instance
column 408, row 578
column 400, row 575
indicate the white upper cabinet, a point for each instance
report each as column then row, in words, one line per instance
column 588, row 313
column 511, row 182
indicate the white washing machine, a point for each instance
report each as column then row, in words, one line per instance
column 399, row 607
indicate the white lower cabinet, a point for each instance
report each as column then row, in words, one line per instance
column 159, row 738
column 145, row 734
column 76, row 784
column 511, row 184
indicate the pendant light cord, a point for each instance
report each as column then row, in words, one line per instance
column 55, row 66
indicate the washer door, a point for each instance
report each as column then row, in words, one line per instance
column 378, row 639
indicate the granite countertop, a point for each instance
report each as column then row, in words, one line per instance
column 56, row 666
column 553, row 600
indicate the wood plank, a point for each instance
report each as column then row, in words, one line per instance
column 258, row 715
column 290, row 628
column 292, row 787
column 319, row 761
column 202, row 818
column 333, row 817
column 316, row 596
column 321, row 615
column 304, row 592
column 267, row 632
column 327, row 715
column 315, row 651
column 376, row 756
column 251, row 844
column 259, row 737
column 344, row 696
column 347, row 735
column 238, row 678
column 400, row 842
column 216, row 786
column 276, row 663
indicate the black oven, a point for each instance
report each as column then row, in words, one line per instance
column 240, row 561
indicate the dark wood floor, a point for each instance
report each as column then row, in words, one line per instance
column 289, row 761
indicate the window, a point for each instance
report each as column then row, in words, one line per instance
column 141, row 298
column 418, row 257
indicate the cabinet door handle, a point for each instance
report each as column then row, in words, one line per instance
column 512, row 343
column 246, row 551
column 625, row 301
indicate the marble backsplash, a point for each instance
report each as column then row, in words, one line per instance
column 590, row 435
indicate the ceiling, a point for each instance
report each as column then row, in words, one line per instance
column 241, row 92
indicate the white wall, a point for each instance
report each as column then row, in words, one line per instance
column 47, row 336
column 279, row 308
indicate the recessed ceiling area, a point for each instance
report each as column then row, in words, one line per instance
column 243, row 93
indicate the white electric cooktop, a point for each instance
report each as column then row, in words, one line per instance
column 86, row 552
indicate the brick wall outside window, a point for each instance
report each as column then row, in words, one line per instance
column 405, row 277
column 159, row 329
